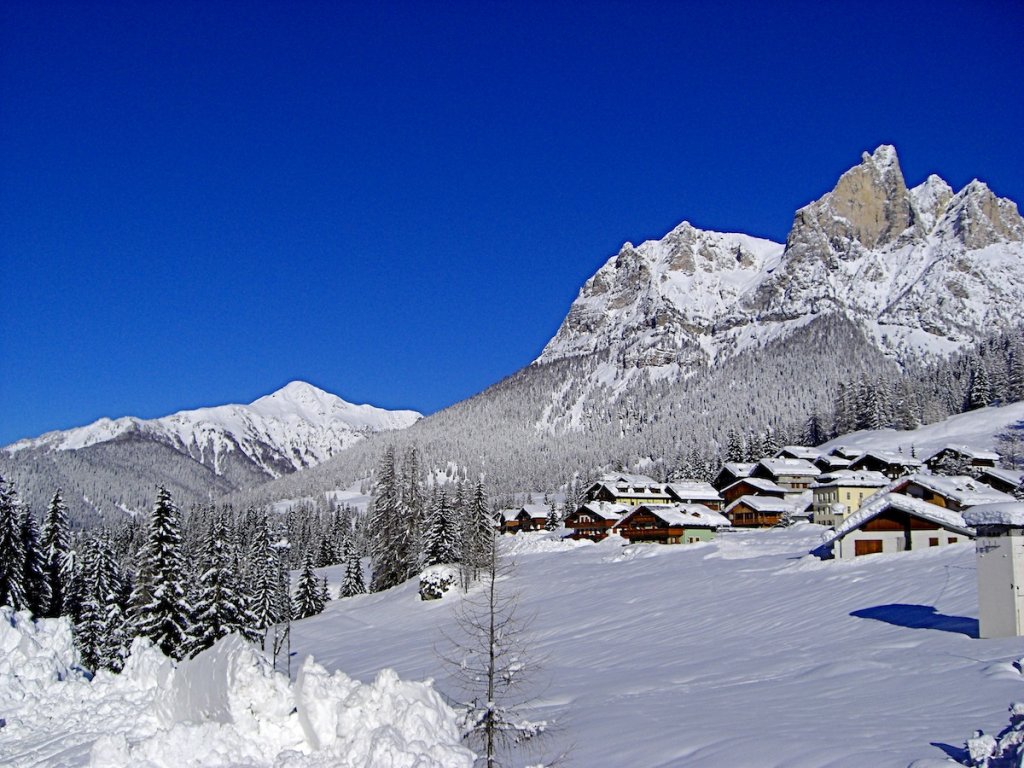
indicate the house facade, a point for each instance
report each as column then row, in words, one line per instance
column 794, row 475
column 839, row 494
column 594, row 520
column 892, row 522
column 677, row 524
column 757, row 512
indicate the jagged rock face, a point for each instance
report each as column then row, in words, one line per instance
column 920, row 269
column 651, row 303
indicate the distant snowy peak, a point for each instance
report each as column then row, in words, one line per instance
column 296, row 427
column 921, row 269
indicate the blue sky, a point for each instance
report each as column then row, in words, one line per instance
column 201, row 201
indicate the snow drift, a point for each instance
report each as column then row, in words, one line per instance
column 227, row 706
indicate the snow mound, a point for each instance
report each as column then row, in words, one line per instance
column 226, row 707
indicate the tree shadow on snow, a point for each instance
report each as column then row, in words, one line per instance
column 959, row 754
column 919, row 617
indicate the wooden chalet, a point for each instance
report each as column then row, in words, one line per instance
column 892, row 522
column 757, row 512
column 677, row 524
column 594, row 520
column 892, row 465
column 1005, row 480
column 695, row 492
column 533, row 517
column 955, row 492
column 507, row 520
column 970, row 459
column 631, row 490
column 753, row 486
column 830, row 463
column 730, row 472
column 791, row 474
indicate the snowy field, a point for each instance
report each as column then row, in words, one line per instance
column 742, row 652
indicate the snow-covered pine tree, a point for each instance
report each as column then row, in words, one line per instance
column 101, row 626
column 552, row 522
column 734, row 447
column 980, row 393
column 12, row 552
column 352, row 581
column 309, row 599
column 159, row 606
column 477, row 536
column 267, row 606
column 56, row 547
column 439, row 538
column 326, row 554
column 391, row 544
column 37, row 590
column 221, row 603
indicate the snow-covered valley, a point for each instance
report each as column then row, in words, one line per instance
column 742, row 652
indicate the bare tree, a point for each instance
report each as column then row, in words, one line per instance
column 492, row 666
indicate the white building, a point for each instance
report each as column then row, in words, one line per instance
column 1000, row 551
column 891, row 522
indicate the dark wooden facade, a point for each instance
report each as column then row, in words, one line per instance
column 744, row 516
column 746, row 488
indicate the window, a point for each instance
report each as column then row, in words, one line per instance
column 933, row 541
column 951, row 540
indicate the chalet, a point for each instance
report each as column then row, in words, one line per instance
column 798, row 452
column 841, row 493
column 757, row 512
column 961, row 457
column 892, row 465
column 830, row 463
column 507, row 520
column 677, row 524
column 792, row 474
column 532, row 517
column 753, row 486
column 695, row 492
column 632, row 490
column 845, row 452
column 1005, row 480
column 594, row 520
column 892, row 522
column 730, row 472
column 955, row 492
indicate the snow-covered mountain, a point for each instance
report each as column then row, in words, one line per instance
column 918, row 269
column 114, row 464
column 296, row 427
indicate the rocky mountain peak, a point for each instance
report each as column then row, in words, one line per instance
column 870, row 206
column 930, row 199
column 977, row 218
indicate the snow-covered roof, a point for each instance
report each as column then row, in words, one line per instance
column 964, row 490
column 790, row 467
column 1009, row 476
column 879, row 503
column 848, row 478
column 759, row 483
column 1009, row 513
column 738, row 468
column 535, row 510
column 686, row 515
column 622, row 478
column 507, row 514
column 890, row 457
column 966, row 450
column 693, row 489
column 761, row 504
column 605, row 510
column 798, row 452
column 834, row 462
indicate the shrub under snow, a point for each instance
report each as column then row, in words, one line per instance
column 227, row 706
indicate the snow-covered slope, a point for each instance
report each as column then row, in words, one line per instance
column 296, row 427
column 746, row 652
column 921, row 270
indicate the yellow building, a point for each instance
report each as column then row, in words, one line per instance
column 839, row 494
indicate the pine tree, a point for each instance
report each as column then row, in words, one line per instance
column 391, row 543
column 326, row 554
column 439, row 543
column 221, row 604
column 309, row 598
column 101, row 627
column 267, row 605
column 12, row 551
column 477, row 535
column 37, row 590
column 159, row 607
column 552, row 522
column 56, row 548
column 352, row 581
column 980, row 394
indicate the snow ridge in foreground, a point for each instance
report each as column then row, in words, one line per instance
column 225, row 707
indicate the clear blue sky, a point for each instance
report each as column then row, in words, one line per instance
column 200, row 201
